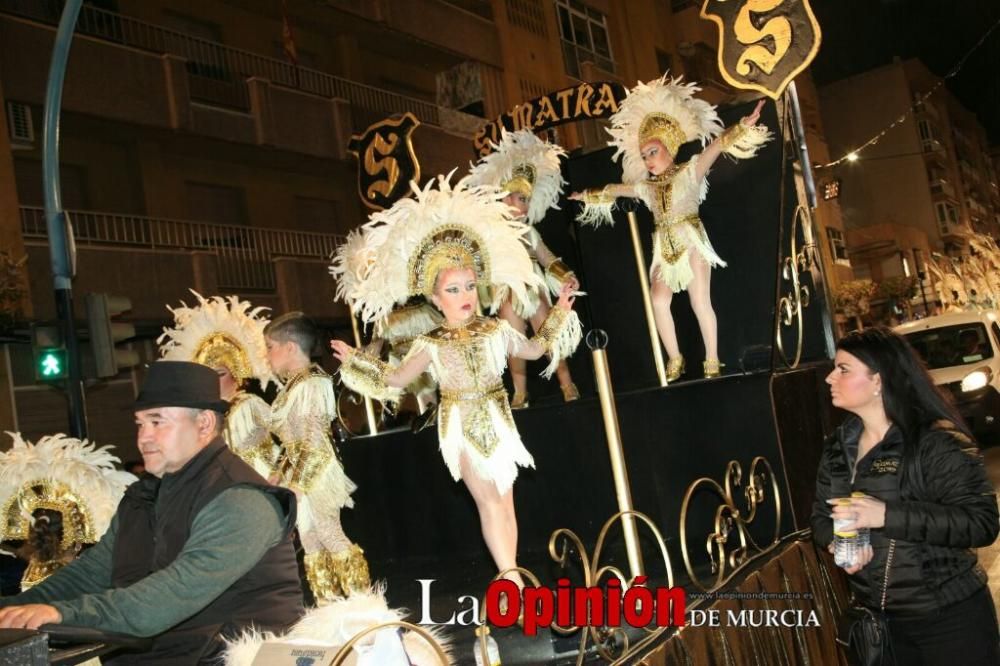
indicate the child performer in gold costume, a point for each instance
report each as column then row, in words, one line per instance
column 56, row 495
column 651, row 124
column 527, row 169
column 301, row 418
column 228, row 336
column 442, row 244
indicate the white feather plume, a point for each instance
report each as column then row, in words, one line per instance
column 696, row 118
column 352, row 260
column 514, row 150
column 236, row 318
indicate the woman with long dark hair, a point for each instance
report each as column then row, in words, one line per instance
column 925, row 489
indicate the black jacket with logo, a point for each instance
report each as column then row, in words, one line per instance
column 935, row 530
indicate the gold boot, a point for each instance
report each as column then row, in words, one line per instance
column 349, row 569
column 712, row 368
column 520, row 400
column 570, row 392
column 320, row 578
column 675, row 368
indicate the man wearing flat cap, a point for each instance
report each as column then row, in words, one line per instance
column 199, row 549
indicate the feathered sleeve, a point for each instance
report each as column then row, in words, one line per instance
column 248, row 436
column 598, row 206
column 367, row 375
column 560, row 335
column 312, row 407
column 743, row 141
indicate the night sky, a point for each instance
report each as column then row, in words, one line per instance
column 862, row 34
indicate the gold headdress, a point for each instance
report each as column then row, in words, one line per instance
column 219, row 332
column 525, row 164
column 449, row 227
column 663, row 109
column 62, row 474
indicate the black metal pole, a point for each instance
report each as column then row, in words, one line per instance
column 61, row 247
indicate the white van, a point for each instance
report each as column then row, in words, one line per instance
column 962, row 353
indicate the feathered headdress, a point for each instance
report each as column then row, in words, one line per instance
column 663, row 109
column 460, row 226
column 219, row 331
column 62, row 474
column 523, row 163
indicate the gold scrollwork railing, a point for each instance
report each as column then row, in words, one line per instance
column 790, row 305
column 612, row 643
column 730, row 518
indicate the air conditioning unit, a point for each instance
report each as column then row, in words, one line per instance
column 20, row 126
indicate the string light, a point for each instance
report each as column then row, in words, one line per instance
column 854, row 155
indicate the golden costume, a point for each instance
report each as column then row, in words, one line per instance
column 460, row 227
column 63, row 474
column 524, row 164
column 666, row 110
column 229, row 333
column 301, row 418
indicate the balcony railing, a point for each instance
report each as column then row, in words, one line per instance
column 218, row 73
column 245, row 254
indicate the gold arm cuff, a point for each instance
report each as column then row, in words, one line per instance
column 305, row 463
column 601, row 196
column 732, row 135
column 367, row 375
column 559, row 271
column 551, row 327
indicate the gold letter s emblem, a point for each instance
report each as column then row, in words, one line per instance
column 778, row 28
column 388, row 164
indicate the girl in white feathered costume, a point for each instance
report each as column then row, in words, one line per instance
column 227, row 335
column 442, row 243
column 528, row 171
column 651, row 124
column 57, row 495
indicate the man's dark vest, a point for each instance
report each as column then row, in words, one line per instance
column 269, row 596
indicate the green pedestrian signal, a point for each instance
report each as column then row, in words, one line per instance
column 49, row 353
column 51, row 364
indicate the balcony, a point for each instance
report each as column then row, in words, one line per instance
column 159, row 259
column 932, row 146
column 218, row 75
column 925, row 108
column 942, row 188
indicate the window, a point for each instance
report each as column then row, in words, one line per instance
column 831, row 189
column 217, row 203
column 838, row 249
column 584, row 34
column 319, row 215
column 946, row 214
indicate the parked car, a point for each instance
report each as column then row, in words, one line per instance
column 962, row 353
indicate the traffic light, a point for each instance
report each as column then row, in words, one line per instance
column 49, row 353
column 105, row 333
